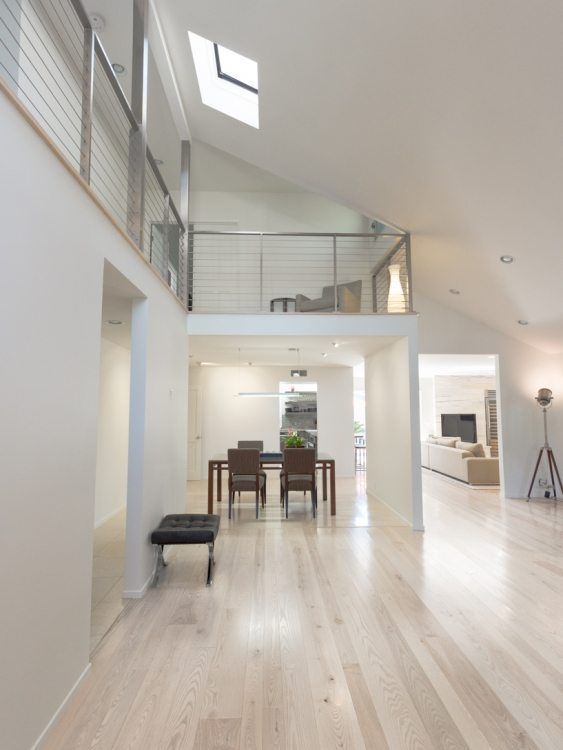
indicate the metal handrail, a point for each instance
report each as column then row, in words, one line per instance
column 302, row 234
column 115, row 183
column 215, row 275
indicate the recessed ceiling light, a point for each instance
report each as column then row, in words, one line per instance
column 523, row 322
column 118, row 69
column 455, row 291
column 507, row 259
column 324, row 354
column 335, row 344
column 114, row 322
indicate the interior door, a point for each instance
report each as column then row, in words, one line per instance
column 194, row 433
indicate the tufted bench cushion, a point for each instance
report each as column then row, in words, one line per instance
column 186, row 528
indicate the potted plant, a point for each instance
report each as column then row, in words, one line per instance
column 294, row 441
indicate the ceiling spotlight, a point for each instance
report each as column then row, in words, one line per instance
column 522, row 322
column 335, row 344
column 324, row 354
column 118, row 69
column 507, row 259
column 158, row 162
column 114, row 322
column 455, row 291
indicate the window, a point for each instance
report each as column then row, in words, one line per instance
column 228, row 81
column 238, row 69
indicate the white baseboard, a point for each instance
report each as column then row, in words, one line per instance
column 406, row 520
column 108, row 516
column 138, row 593
column 56, row 716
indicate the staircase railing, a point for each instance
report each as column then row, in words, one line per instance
column 54, row 63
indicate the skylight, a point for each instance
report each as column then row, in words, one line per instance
column 228, row 81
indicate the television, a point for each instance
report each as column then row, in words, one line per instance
column 463, row 426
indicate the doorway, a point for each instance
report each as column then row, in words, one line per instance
column 112, row 454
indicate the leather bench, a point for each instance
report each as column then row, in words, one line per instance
column 186, row 528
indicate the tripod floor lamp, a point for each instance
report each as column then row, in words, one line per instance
column 545, row 399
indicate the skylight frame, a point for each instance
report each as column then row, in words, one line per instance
column 219, row 94
column 225, row 76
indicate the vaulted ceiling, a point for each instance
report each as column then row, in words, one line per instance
column 443, row 117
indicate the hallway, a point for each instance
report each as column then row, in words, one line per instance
column 353, row 632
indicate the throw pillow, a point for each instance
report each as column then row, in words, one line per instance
column 475, row 448
column 447, row 442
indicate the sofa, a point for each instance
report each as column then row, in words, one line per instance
column 464, row 461
column 349, row 299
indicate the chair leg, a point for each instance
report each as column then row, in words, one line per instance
column 257, row 503
column 210, row 562
column 287, row 503
column 231, row 494
column 314, row 499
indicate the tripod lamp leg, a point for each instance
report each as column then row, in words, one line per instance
column 535, row 473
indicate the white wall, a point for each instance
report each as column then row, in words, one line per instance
column 227, row 418
column 389, row 430
column 521, row 371
column 56, row 241
column 275, row 212
column 427, row 408
column 113, row 430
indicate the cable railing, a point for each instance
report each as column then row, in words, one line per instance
column 256, row 272
column 54, row 63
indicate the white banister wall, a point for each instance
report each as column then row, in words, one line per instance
column 57, row 241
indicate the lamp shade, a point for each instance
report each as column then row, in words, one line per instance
column 544, row 397
column 396, row 302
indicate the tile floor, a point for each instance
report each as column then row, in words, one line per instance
column 107, row 583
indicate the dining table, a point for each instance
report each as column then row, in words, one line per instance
column 220, row 463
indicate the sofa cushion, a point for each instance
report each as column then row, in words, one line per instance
column 431, row 439
column 447, row 442
column 476, row 449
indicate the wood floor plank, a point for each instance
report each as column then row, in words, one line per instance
column 346, row 632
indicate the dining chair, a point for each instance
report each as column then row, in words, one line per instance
column 299, row 472
column 254, row 444
column 245, row 475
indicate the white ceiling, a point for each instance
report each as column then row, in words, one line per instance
column 274, row 350
column 443, row 117
column 118, row 294
column 431, row 365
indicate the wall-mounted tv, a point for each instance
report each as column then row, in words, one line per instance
column 463, row 426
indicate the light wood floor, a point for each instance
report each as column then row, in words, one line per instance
column 352, row 632
column 107, row 576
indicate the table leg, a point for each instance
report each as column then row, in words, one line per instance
column 324, row 482
column 219, row 478
column 210, row 487
column 332, row 488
